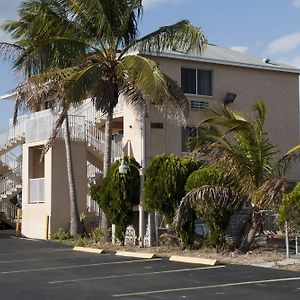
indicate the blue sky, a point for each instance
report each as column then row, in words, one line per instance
column 266, row 28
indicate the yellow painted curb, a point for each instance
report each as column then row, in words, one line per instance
column 194, row 260
column 89, row 250
column 136, row 254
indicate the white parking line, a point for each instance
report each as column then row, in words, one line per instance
column 42, row 250
column 208, row 287
column 134, row 274
column 79, row 266
column 70, row 256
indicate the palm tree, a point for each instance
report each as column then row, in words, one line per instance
column 91, row 48
column 239, row 145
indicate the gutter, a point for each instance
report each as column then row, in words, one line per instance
column 223, row 62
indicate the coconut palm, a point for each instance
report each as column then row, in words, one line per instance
column 91, row 48
column 239, row 145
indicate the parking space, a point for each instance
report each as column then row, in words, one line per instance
column 43, row 270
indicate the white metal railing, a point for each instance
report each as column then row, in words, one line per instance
column 9, row 210
column 11, row 180
column 13, row 132
column 94, row 136
column 92, row 171
column 86, row 109
column 10, row 160
column 41, row 126
column 76, row 127
column 36, row 190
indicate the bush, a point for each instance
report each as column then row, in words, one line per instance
column 96, row 235
column 214, row 198
column 60, row 234
column 118, row 194
column 289, row 210
column 211, row 175
column 165, row 182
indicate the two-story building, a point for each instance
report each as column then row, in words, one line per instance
column 218, row 75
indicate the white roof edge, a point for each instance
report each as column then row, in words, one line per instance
column 11, row 96
column 224, row 62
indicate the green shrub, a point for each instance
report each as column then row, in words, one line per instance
column 211, row 175
column 289, row 210
column 96, row 235
column 118, row 194
column 216, row 215
column 165, row 182
column 60, row 234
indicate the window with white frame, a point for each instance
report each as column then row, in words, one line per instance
column 196, row 81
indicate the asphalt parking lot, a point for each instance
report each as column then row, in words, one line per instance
column 44, row 270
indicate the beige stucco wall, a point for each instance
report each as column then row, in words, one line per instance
column 56, row 192
column 279, row 90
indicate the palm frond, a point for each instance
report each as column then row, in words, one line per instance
column 10, row 51
column 83, row 81
column 269, row 195
column 214, row 196
column 285, row 162
column 145, row 76
column 181, row 35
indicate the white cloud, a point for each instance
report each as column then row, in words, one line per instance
column 151, row 3
column 285, row 44
column 295, row 61
column 240, row 48
column 296, row 3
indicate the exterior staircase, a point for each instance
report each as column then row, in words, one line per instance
column 9, row 161
column 8, row 214
column 11, row 184
column 13, row 135
column 83, row 127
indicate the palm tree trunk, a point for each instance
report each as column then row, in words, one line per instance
column 107, row 142
column 75, row 225
column 107, row 162
column 256, row 221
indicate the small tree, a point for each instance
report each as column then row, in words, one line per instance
column 165, row 182
column 240, row 145
column 118, row 194
column 289, row 210
column 213, row 196
column 211, row 175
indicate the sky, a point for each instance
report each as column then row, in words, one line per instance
column 265, row 28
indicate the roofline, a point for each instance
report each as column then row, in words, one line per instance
column 11, row 96
column 223, row 62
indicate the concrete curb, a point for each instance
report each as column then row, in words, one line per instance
column 270, row 264
column 136, row 254
column 89, row 250
column 289, row 261
column 194, row 260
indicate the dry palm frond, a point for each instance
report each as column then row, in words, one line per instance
column 269, row 195
column 217, row 197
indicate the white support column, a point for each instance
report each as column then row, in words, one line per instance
column 143, row 165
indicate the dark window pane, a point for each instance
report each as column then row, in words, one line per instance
column 204, row 82
column 188, row 80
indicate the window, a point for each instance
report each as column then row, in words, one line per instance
column 196, row 81
column 187, row 133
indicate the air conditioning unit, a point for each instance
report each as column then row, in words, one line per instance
column 198, row 104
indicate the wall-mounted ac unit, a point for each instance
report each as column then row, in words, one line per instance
column 198, row 104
